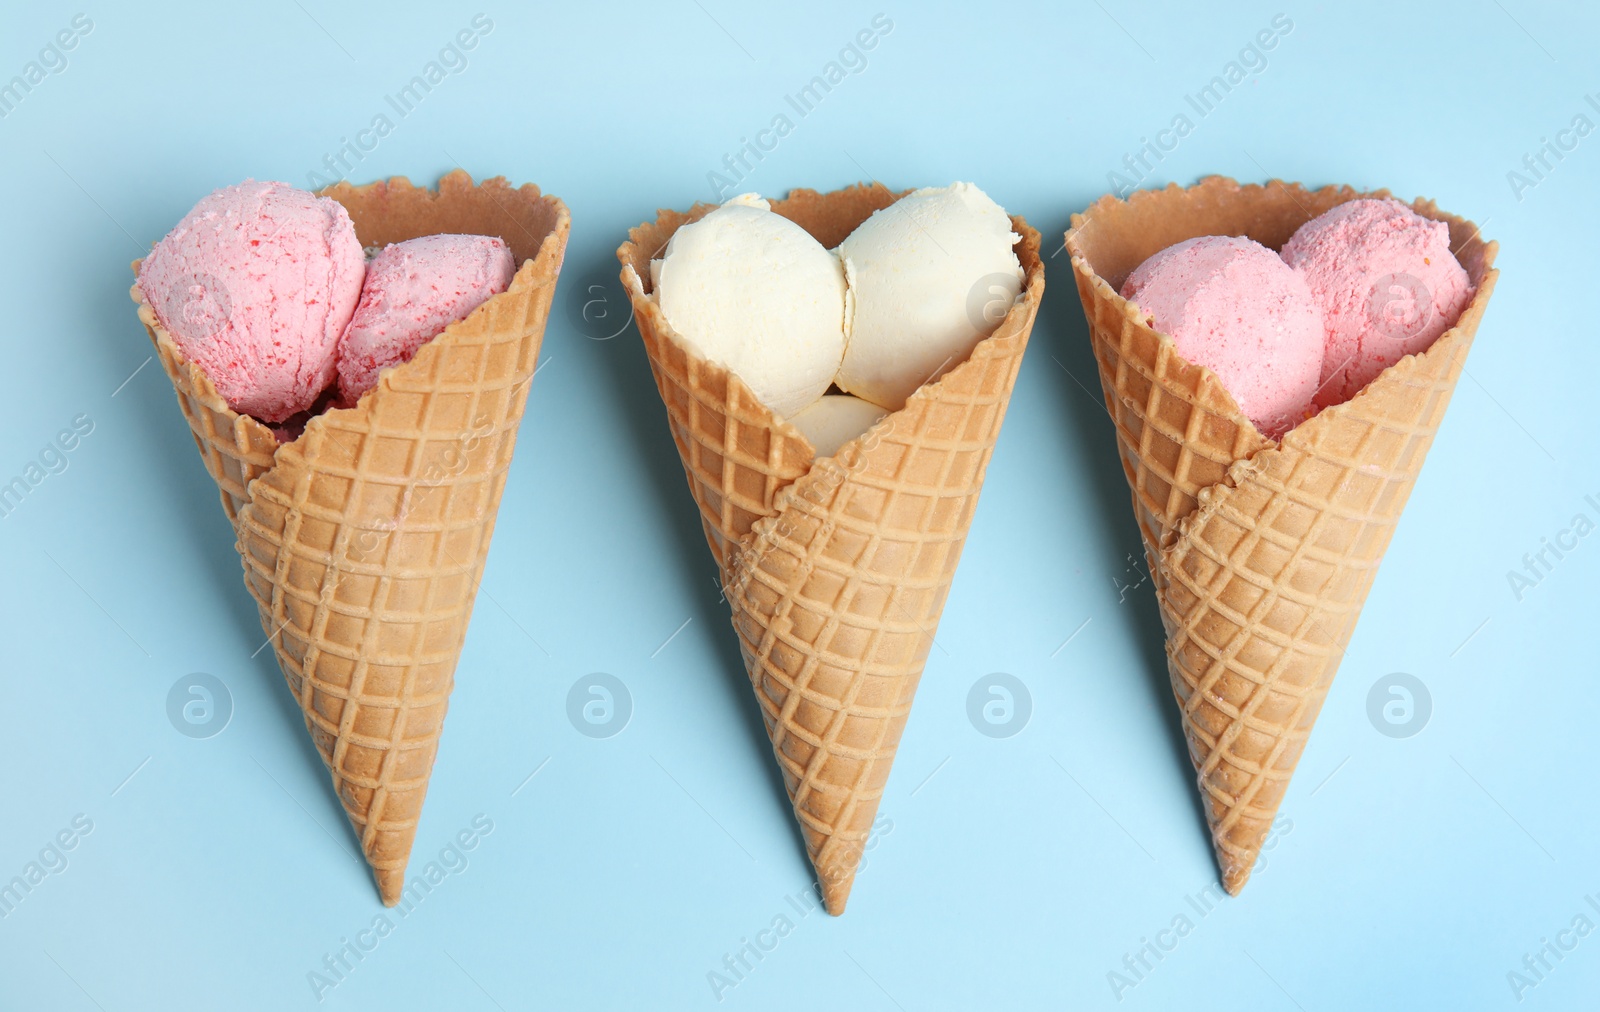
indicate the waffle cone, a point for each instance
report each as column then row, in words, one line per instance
column 835, row 569
column 1261, row 552
column 363, row 541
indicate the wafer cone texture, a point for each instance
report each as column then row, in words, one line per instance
column 363, row 540
column 835, row 569
column 1261, row 552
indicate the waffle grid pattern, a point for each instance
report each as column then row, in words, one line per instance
column 843, row 590
column 1263, row 594
column 1262, row 553
column 236, row 448
column 365, row 563
column 364, row 540
column 836, row 570
column 736, row 459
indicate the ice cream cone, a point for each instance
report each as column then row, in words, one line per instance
column 836, row 570
column 1261, row 552
column 363, row 540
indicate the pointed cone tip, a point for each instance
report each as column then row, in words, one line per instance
column 391, row 881
column 836, row 894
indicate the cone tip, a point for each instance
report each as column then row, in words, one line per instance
column 835, row 894
column 391, row 881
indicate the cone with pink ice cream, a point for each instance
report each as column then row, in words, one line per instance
column 363, row 530
column 1262, row 547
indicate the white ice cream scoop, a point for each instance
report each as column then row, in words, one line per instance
column 930, row 276
column 753, row 291
column 835, row 420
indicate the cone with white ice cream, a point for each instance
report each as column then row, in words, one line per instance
column 835, row 567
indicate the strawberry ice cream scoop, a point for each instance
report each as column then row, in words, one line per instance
column 255, row 285
column 1387, row 285
column 414, row 290
column 1233, row 306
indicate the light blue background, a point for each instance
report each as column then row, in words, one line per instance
column 1018, row 872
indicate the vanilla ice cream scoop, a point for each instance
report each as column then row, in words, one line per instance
column 836, row 419
column 753, row 291
column 930, row 276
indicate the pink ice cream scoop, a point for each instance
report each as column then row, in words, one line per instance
column 1233, row 306
column 414, row 290
column 255, row 285
column 1387, row 285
